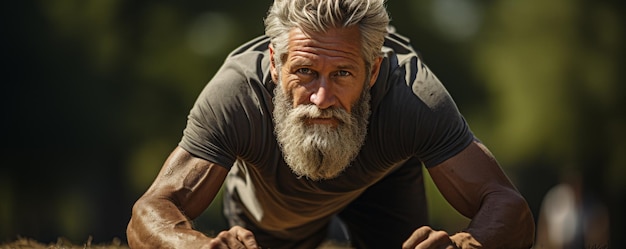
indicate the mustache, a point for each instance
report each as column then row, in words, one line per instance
column 312, row 111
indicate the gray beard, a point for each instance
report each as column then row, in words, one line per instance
column 319, row 151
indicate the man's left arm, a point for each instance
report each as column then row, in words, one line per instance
column 475, row 185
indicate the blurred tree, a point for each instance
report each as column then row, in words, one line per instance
column 98, row 92
column 552, row 71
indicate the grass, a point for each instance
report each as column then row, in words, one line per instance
column 62, row 243
column 27, row 243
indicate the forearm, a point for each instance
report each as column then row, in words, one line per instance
column 503, row 221
column 160, row 224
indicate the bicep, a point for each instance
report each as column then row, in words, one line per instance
column 191, row 183
column 467, row 178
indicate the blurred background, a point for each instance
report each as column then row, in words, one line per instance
column 96, row 94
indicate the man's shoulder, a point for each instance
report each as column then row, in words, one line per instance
column 248, row 62
column 398, row 44
column 259, row 44
column 401, row 61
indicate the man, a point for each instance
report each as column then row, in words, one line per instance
column 329, row 116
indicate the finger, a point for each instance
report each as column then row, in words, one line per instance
column 246, row 237
column 233, row 241
column 435, row 240
column 229, row 240
column 418, row 236
column 224, row 239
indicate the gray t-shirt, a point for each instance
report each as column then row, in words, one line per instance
column 413, row 116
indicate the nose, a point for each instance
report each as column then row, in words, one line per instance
column 323, row 96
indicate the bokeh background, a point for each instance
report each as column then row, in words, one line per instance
column 96, row 94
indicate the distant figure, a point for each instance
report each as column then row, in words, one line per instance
column 571, row 218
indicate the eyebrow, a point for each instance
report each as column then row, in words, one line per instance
column 347, row 66
column 301, row 63
column 308, row 62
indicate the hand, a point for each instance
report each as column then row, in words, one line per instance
column 237, row 237
column 427, row 238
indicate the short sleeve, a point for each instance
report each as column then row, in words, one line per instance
column 229, row 118
column 208, row 134
column 442, row 130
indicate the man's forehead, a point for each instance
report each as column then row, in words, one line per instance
column 344, row 42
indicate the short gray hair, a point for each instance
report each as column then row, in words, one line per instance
column 321, row 15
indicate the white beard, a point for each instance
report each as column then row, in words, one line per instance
column 319, row 151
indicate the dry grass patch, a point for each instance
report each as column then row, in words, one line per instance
column 62, row 243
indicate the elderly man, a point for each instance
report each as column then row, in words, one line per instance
column 329, row 116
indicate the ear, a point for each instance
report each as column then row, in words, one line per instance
column 375, row 70
column 273, row 65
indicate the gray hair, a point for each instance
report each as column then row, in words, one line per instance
column 321, row 15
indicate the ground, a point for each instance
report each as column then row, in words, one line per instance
column 27, row 243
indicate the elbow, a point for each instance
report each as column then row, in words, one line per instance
column 136, row 229
column 525, row 224
column 131, row 234
column 513, row 225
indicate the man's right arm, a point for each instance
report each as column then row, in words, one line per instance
column 184, row 188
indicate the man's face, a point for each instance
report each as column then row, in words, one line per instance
column 322, row 101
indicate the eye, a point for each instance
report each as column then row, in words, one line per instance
column 304, row 70
column 343, row 73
